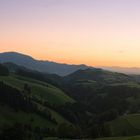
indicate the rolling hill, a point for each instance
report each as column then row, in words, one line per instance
column 41, row 92
column 127, row 125
column 87, row 103
column 98, row 75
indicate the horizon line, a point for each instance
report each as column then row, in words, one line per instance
column 95, row 66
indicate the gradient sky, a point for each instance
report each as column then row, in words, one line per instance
column 93, row 32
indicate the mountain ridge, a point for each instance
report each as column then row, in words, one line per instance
column 40, row 65
column 61, row 69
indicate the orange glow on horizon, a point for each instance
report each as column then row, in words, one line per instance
column 95, row 33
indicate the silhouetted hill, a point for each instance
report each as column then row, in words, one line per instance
column 98, row 75
column 14, row 68
column 3, row 70
column 42, row 66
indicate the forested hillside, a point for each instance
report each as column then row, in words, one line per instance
column 89, row 103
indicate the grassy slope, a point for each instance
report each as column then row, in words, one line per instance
column 9, row 117
column 126, row 125
column 41, row 90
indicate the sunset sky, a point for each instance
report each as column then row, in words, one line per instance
column 92, row 32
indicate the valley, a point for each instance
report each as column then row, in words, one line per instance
column 86, row 104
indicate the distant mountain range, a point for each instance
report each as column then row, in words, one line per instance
column 53, row 67
column 39, row 65
column 126, row 70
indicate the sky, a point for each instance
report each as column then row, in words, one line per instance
column 92, row 32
